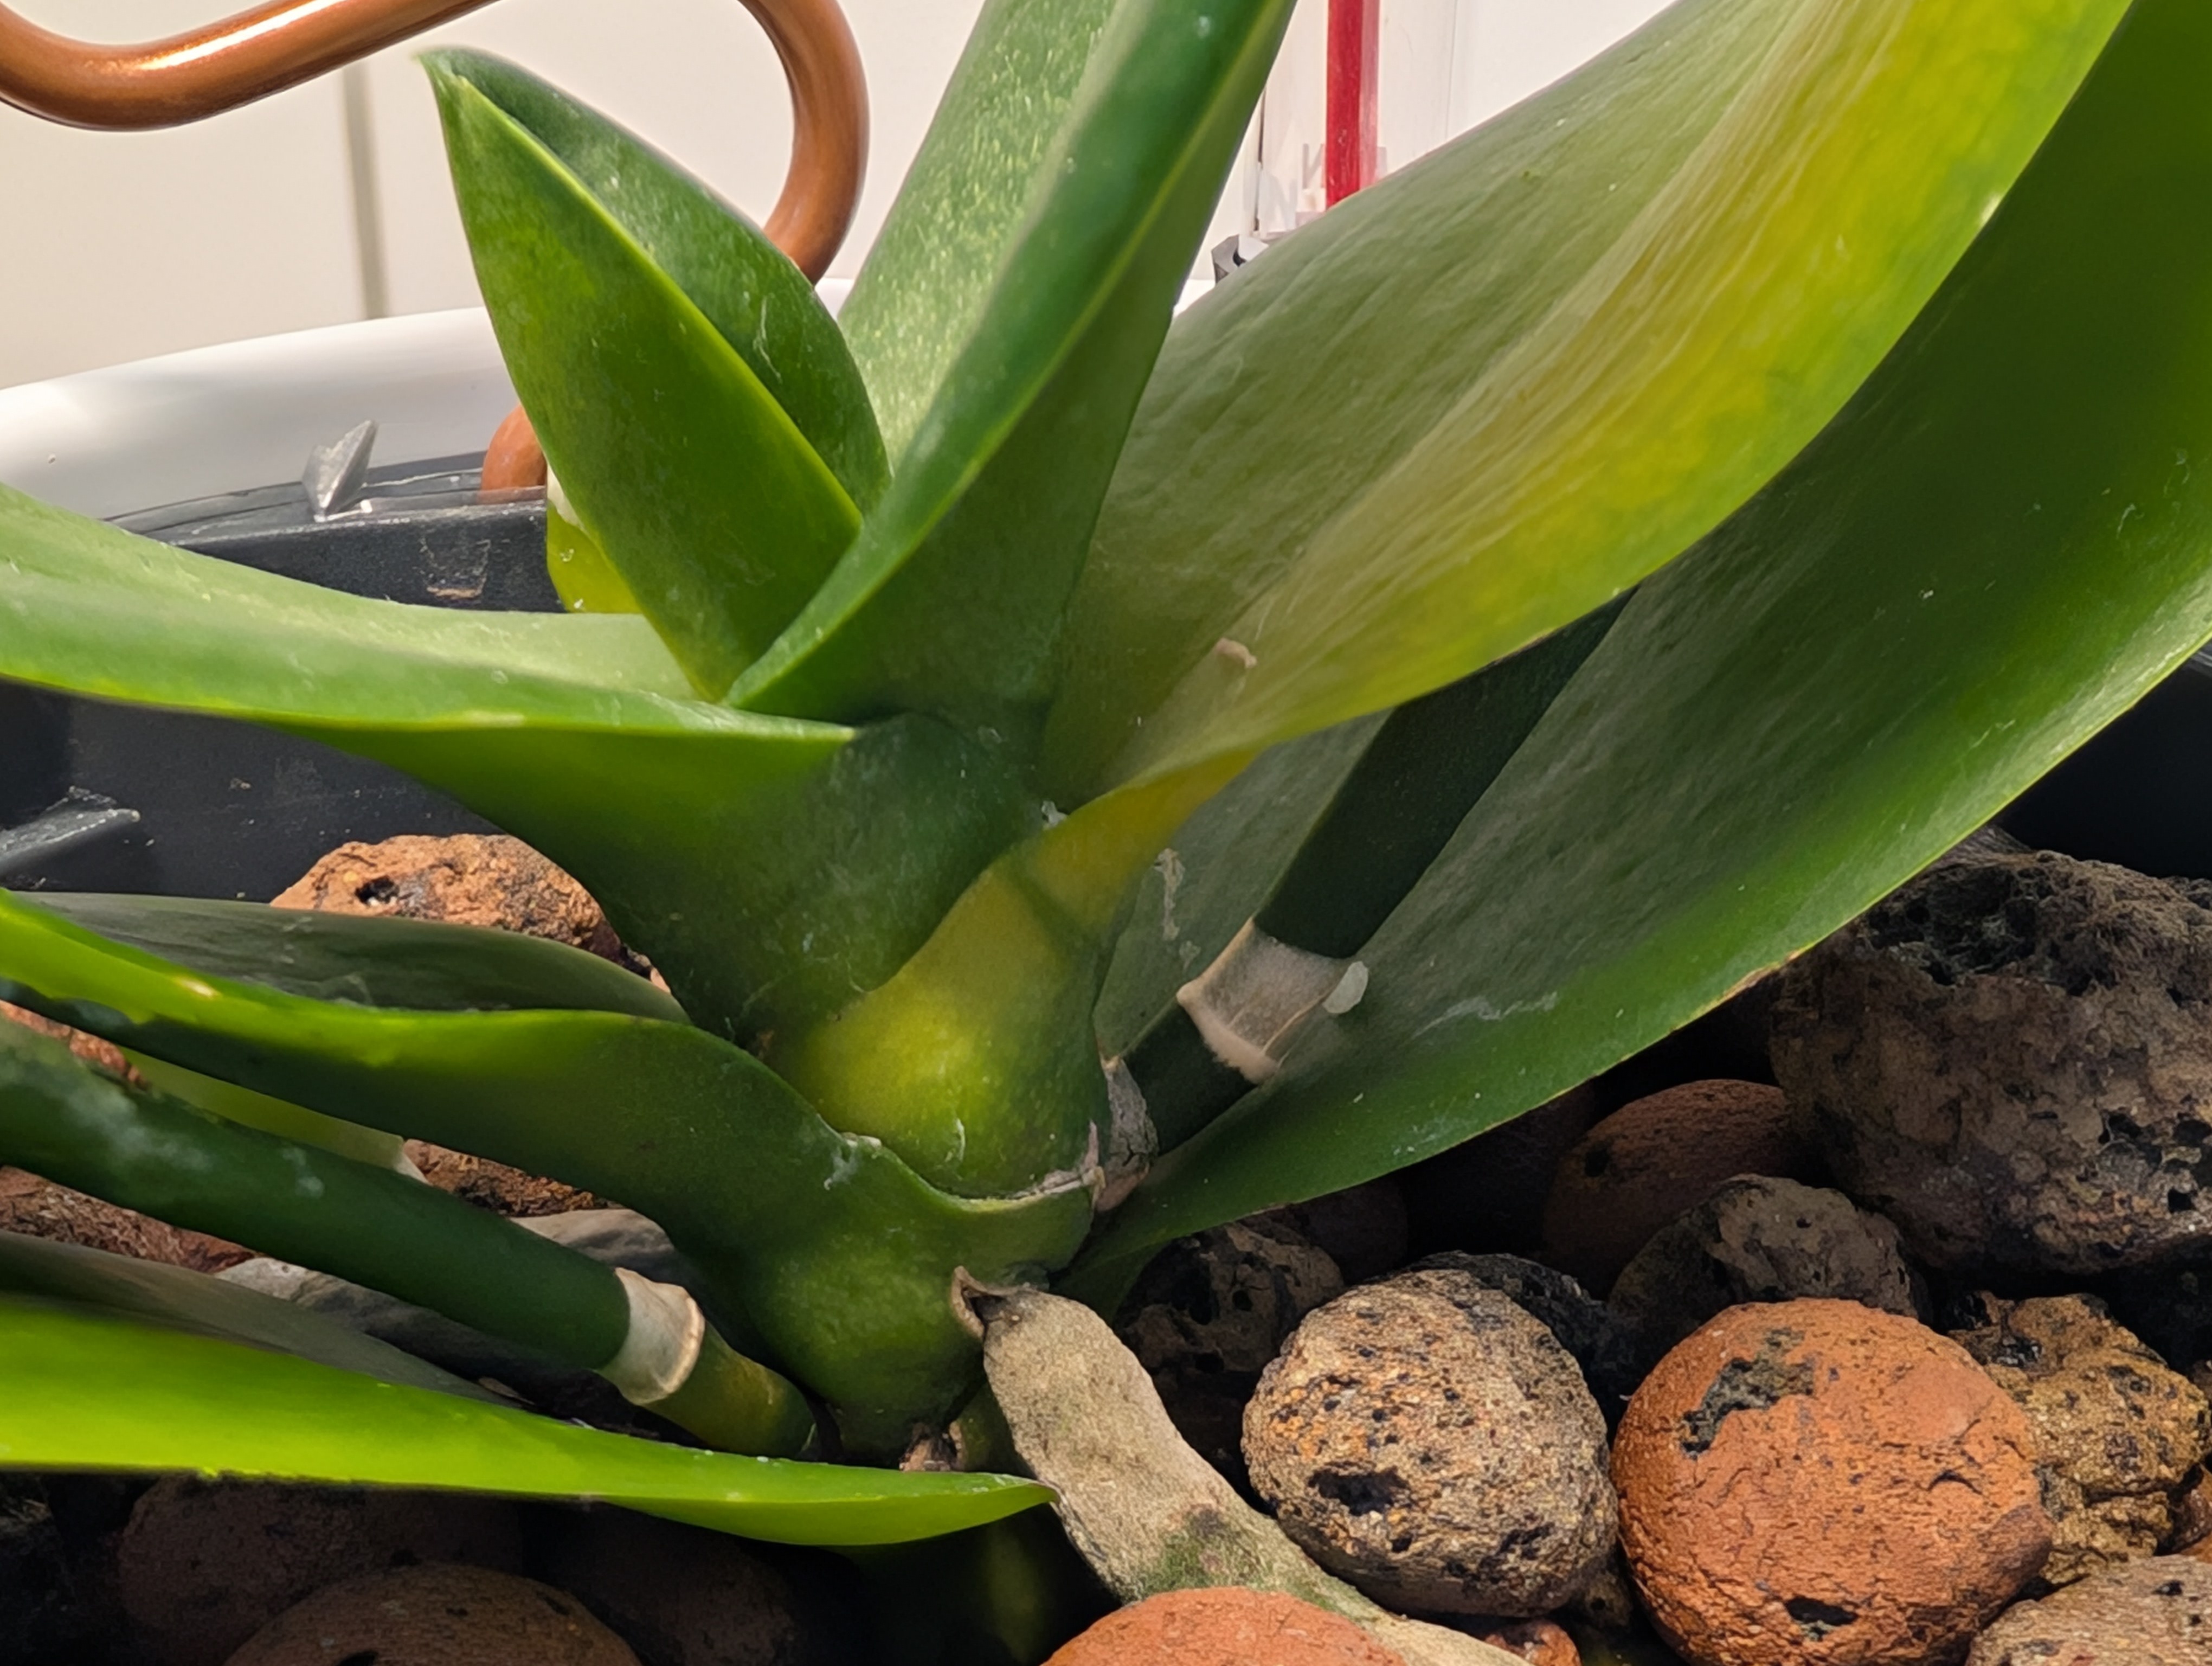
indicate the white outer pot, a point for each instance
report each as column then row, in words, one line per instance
column 221, row 419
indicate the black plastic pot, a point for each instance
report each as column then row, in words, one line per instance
column 227, row 809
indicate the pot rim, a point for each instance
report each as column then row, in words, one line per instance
column 247, row 413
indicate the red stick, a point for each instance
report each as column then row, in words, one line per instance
column 1355, row 52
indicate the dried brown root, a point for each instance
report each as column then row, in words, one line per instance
column 1144, row 1509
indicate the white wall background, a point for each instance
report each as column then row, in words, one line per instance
column 121, row 246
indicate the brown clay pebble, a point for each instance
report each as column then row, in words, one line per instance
column 1224, row 1625
column 1427, row 1440
column 496, row 1186
column 205, row 1564
column 1537, row 1640
column 2118, row 1432
column 1210, row 1313
column 1653, row 1158
column 462, row 880
column 686, row 1597
column 39, row 1209
column 1815, row 1483
column 438, row 1614
column 2007, row 1058
column 1760, row 1239
column 2153, row 1613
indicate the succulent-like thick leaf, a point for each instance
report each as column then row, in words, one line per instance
column 181, row 1299
column 759, row 303
column 1220, row 869
column 2005, row 540
column 758, row 860
column 838, row 1252
column 952, row 599
column 370, row 961
column 90, row 1392
column 1493, row 391
column 705, row 496
column 931, row 271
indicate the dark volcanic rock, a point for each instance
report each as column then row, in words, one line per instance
column 2008, row 1058
column 1758, row 1239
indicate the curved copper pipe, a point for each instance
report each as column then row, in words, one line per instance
column 162, row 83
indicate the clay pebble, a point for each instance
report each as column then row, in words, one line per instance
column 2006, row 1057
column 1656, row 1157
column 436, row 1615
column 1430, row 1441
column 1603, row 1344
column 1816, row 1483
column 1209, row 1313
column 1760, row 1239
column 2118, row 1433
column 203, row 1566
column 1224, row 1625
column 687, row 1596
column 2152, row 1613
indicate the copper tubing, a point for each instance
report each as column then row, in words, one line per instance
column 163, row 84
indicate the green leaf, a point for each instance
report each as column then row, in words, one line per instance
column 792, row 1219
column 89, row 1392
column 706, row 497
column 1224, row 861
column 1498, row 388
column 181, row 1299
column 371, row 961
column 759, row 303
column 2002, row 542
column 932, row 270
column 953, row 599
column 758, row 860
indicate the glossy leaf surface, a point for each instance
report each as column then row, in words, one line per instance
column 371, row 961
column 1491, row 392
column 2004, row 540
column 771, row 876
column 706, row 497
column 760, row 304
column 952, row 600
column 84, row 1391
column 181, row 1299
column 796, row 1221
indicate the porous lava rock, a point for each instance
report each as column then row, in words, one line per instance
column 203, row 1566
column 1656, row 1157
column 2007, row 1058
column 1760, row 1239
column 1427, row 1440
column 1603, row 1343
column 1538, row 1641
column 1224, row 1625
column 1208, row 1315
column 686, row 1597
column 485, row 879
column 436, row 1615
column 2152, row 1613
column 1817, row 1483
column 2119, row 1434
column 2192, row 1513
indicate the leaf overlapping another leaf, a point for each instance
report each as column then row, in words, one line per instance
column 1492, row 392
column 2004, row 540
